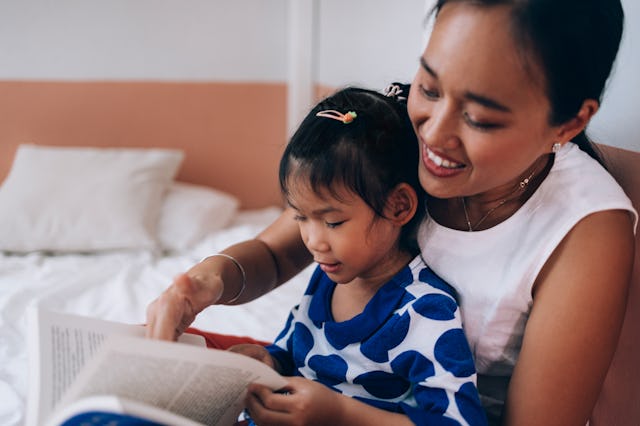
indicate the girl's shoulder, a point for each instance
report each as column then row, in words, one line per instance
column 426, row 282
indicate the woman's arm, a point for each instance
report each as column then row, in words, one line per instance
column 578, row 307
column 268, row 260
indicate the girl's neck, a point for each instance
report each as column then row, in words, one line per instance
column 350, row 299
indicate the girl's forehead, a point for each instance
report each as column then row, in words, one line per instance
column 301, row 192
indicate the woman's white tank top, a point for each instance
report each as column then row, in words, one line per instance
column 494, row 270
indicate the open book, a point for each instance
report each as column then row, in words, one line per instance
column 84, row 365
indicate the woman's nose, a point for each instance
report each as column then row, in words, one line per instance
column 440, row 128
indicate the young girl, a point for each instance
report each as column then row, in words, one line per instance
column 375, row 323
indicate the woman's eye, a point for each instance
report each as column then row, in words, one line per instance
column 332, row 225
column 429, row 93
column 480, row 125
column 299, row 218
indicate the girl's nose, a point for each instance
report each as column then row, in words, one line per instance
column 315, row 240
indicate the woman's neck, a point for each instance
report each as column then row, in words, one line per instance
column 488, row 209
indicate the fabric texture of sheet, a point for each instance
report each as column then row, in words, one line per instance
column 118, row 286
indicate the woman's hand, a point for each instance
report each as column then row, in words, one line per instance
column 176, row 308
column 270, row 259
column 255, row 351
column 304, row 402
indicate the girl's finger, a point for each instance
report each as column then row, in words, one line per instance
column 263, row 415
column 271, row 400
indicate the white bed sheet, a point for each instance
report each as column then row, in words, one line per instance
column 118, row 286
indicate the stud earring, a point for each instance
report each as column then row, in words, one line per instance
column 556, row 147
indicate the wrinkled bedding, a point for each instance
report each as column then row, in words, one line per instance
column 118, row 286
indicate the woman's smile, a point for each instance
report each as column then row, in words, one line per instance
column 438, row 165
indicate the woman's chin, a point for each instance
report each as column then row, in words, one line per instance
column 436, row 187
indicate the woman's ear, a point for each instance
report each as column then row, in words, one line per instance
column 574, row 126
column 401, row 204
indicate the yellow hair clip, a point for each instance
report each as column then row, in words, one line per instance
column 337, row 115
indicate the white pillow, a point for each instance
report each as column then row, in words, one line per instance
column 69, row 199
column 191, row 212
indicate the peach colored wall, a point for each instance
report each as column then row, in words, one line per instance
column 232, row 133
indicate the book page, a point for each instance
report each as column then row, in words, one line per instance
column 59, row 346
column 205, row 385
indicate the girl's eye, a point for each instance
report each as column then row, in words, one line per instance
column 480, row 125
column 429, row 93
column 333, row 225
column 299, row 218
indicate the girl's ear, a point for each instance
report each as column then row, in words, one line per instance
column 402, row 204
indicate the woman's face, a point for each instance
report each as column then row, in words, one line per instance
column 480, row 113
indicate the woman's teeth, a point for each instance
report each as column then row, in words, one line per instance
column 442, row 162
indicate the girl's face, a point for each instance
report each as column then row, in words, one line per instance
column 345, row 236
column 480, row 113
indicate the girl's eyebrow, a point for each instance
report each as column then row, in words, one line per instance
column 317, row 212
column 474, row 97
column 325, row 210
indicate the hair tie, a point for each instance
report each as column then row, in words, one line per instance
column 397, row 91
column 337, row 115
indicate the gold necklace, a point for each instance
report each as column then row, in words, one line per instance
column 523, row 184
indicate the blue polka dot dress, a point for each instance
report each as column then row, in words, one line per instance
column 406, row 352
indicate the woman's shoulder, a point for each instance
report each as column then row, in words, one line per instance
column 579, row 185
column 578, row 166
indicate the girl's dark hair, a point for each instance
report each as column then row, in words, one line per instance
column 575, row 42
column 370, row 156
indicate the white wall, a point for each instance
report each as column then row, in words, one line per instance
column 143, row 40
column 368, row 42
column 618, row 121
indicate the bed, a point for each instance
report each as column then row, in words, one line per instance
column 113, row 189
column 213, row 157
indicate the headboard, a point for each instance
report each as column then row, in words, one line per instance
column 232, row 134
column 618, row 401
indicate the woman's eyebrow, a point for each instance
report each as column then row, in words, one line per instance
column 486, row 102
column 474, row 97
column 427, row 68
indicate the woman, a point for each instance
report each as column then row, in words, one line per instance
column 536, row 237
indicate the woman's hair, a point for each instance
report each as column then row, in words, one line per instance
column 574, row 42
column 368, row 156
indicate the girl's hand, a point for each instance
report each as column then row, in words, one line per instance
column 305, row 403
column 254, row 351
